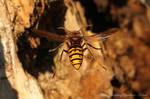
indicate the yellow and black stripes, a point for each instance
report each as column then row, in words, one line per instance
column 76, row 56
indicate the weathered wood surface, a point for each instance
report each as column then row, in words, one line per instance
column 15, row 83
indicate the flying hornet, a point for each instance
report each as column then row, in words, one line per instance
column 74, row 41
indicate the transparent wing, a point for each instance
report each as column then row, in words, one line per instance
column 49, row 35
column 97, row 37
column 102, row 36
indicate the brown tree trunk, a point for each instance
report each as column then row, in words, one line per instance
column 14, row 81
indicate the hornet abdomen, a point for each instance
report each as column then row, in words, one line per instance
column 76, row 56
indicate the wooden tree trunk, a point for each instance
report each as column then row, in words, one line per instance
column 14, row 82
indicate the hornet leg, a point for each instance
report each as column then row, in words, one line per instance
column 62, row 53
column 54, row 70
column 94, row 56
column 94, row 47
column 83, row 45
column 61, row 57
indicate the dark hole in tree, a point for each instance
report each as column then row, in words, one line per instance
column 49, row 21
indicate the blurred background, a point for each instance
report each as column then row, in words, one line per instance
column 126, row 52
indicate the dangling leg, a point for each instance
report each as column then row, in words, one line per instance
column 59, row 61
column 61, row 57
column 64, row 51
column 94, row 47
column 62, row 54
column 85, row 49
column 94, row 56
column 68, row 45
column 83, row 45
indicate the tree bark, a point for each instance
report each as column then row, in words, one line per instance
column 15, row 82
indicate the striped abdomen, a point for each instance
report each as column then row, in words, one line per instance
column 76, row 56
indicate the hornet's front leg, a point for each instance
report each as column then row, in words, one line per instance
column 64, row 51
column 54, row 70
column 94, row 47
column 84, row 48
column 61, row 57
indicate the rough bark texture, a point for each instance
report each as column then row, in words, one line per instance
column 26, row 66
column 14, row 82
